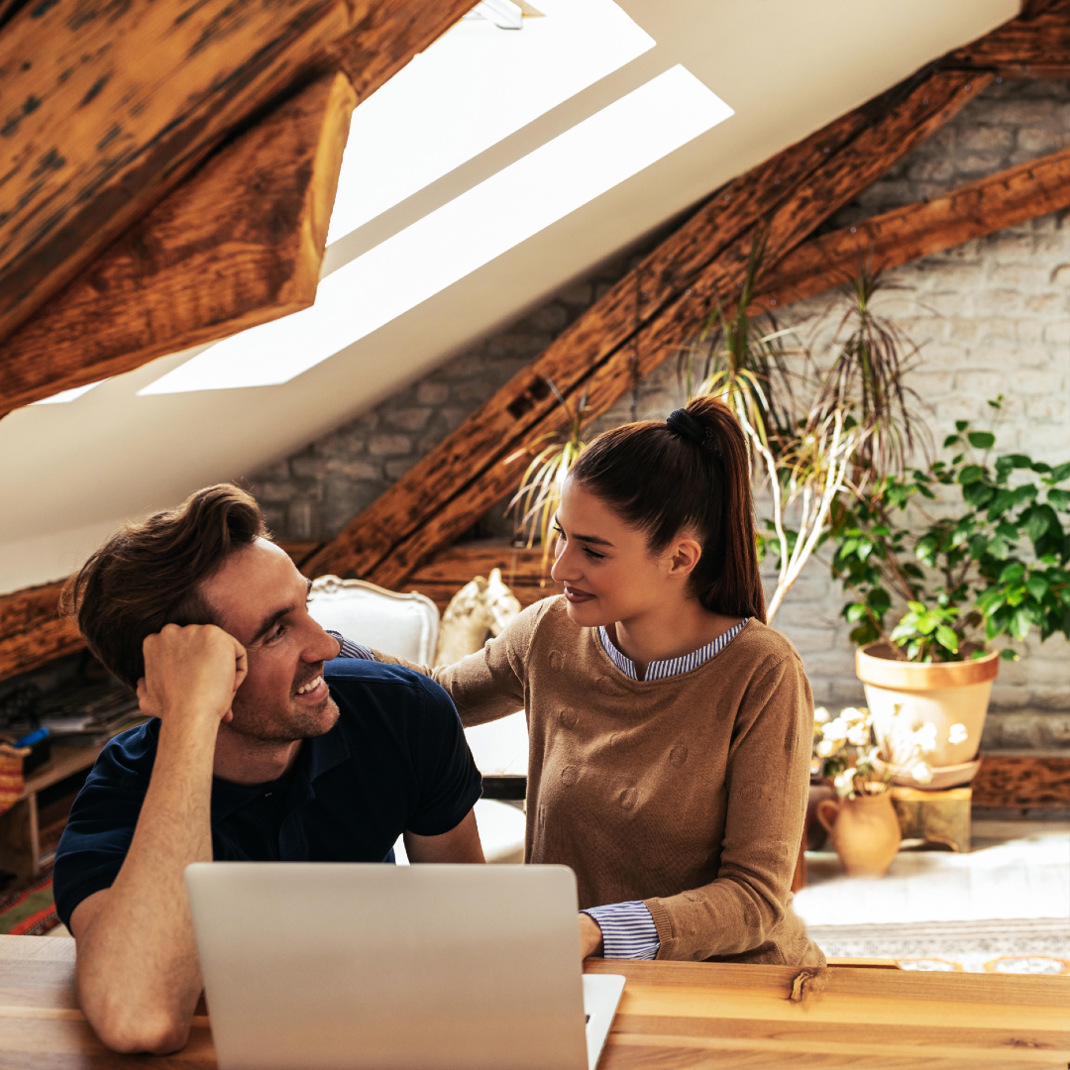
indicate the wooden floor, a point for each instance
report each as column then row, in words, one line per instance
column 1017, row 869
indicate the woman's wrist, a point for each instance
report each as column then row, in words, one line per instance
column 591, row 942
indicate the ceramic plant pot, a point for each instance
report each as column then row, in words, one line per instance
column 864, row 831
column 946, row 694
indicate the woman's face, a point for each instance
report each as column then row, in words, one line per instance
column 608, row 572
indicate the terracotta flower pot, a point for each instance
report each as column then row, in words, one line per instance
column 944, row 694
column 864, row 831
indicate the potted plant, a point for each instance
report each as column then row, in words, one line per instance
column 990, row 565
column 861, row 820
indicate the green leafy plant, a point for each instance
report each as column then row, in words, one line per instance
column 539, row 494
column 997, row 567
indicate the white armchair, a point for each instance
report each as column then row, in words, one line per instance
column 406, row 625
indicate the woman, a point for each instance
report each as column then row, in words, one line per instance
column 670, row 729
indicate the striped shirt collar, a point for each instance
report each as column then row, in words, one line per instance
column 662, row 670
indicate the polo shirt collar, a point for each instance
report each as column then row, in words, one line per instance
column 317, row 756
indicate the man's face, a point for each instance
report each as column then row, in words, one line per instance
column 260, row 598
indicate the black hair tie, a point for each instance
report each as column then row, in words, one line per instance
column 683, row 424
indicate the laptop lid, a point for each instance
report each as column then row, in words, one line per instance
column 326, row 966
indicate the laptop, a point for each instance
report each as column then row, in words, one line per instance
column 339, row 966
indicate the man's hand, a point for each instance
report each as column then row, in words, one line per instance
column 190, row 673
column 590, row 937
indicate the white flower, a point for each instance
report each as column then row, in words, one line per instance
column 836, row 730
column 844, row 782
column 853, row 714
column 925, row 738
column 922, row 772
column 821, row 715
column 858, row 735
column 957, row 734
column 827, row 748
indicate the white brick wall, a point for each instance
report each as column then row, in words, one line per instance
column 993, row 317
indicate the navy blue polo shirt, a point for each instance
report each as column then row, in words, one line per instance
column 396, row 760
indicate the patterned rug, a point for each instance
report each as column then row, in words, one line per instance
column 30, row 911
column 1018, row 945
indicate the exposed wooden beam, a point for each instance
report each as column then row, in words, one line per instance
column 392, row 33
column 235, row 244
column 1013, row 196
column 240, row 242
column 1035, row 45
column 32, row 630
column 103, row 112
column 639, row 323
column 442, row 577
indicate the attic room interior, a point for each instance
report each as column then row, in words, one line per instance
column 621, row 442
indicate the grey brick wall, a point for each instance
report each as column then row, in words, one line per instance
column 993, row 317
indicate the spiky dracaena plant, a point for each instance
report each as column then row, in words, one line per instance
column 816, row 436
column 536, row 501
column 865, row 379
column 800, row 455
column 743, row 362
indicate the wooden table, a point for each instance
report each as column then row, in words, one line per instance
column 673, row 1015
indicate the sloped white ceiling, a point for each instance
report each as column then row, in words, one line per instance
column 70, row 473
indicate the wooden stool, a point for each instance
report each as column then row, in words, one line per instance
column 935, row 816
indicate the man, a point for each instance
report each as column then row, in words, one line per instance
column 261, row 748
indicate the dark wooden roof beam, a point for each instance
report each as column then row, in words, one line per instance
column 102, row 118
column 1011, row 197
column 1035, row 45
column 239, row 243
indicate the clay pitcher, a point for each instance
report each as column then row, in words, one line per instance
column 864, row 831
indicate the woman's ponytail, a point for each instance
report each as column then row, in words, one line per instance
column 731, row 577
column 693, row 471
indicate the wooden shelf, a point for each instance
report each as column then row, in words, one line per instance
column 65, row 761
column 29, row 834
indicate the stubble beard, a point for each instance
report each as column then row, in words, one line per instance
column 283, row 724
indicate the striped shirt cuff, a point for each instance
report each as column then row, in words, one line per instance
column 628, row 930
column 349, row 648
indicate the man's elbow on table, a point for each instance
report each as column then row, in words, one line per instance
column 133, row 1030
column 122, row 1009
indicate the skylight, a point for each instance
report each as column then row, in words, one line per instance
column 444, row 246
column 65, row 396
column 470, row 89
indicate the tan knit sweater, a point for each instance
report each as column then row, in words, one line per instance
column 688, row 793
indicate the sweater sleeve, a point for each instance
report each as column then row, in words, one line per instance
column 492, row 682
column 766, row 782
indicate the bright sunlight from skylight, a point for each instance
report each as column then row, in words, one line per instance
column 557, row 178
column 474, row 86
column 65, row 396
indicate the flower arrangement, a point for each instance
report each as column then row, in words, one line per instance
column 847, row 751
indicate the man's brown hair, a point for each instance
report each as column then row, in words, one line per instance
column 149, row 574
